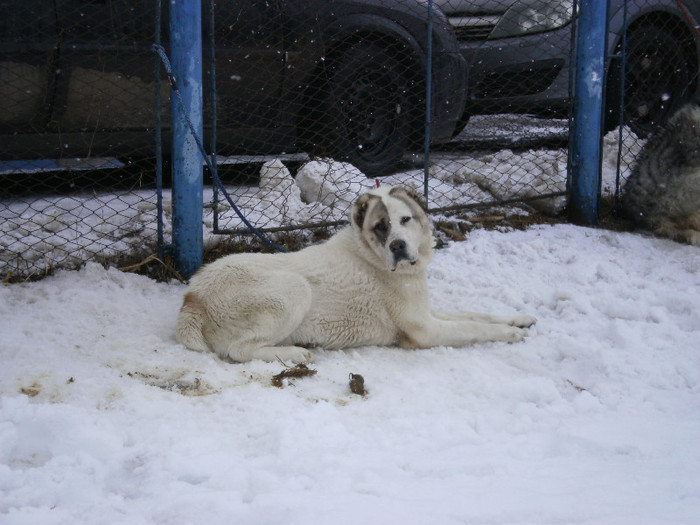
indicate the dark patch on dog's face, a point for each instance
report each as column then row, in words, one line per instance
column 382, row 227
column 360, row 209
column 378, row 222
column 371, row 213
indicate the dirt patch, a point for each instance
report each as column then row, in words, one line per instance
column 179, row 384
column 31, row 390
column 295, row 372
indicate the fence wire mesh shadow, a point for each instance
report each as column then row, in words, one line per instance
column 305, row 104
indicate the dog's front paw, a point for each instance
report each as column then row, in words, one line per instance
column 295, row 355
column 273, row 354
column 523, row 321
column 515, row 334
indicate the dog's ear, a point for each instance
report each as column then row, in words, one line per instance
column 359, row 210
column 412, row 194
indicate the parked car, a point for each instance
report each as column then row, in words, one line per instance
column 341, row 78
column 518, row 53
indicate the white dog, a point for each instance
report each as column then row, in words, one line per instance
column 364, row 286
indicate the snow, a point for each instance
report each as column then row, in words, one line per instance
column 593, row 419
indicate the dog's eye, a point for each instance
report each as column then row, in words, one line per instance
column 404, row 220
column 380, row 227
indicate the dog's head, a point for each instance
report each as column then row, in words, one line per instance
column 393, row 229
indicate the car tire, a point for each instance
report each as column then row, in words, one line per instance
column 365, row 110
column 659, row 79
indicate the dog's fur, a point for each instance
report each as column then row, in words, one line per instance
column 364, row 286
column 663, row 191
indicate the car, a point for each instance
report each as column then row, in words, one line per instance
column 342, row 78
column 519, row 55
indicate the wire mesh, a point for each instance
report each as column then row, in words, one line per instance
column 306, row 103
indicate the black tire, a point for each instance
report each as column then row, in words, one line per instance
column 365, row 110
column 659, row 79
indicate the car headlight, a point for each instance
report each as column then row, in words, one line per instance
column 533, row 16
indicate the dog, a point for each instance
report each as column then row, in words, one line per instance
column 663, row 191
column 364, row 286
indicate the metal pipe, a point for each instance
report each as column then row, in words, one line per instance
column 428, row 102
column 587, row 121
column 186, row 54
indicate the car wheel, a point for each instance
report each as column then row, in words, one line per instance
column 365, row 110
column 658, row 80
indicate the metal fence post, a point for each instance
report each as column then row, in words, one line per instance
column 428, row 103
column 186, row 53
column 587, row 124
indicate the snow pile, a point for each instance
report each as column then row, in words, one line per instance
column 335, row 185
column 593, row 419
column 504, row 175
column 277, row 185
column 625, row 144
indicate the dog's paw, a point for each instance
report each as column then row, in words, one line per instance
column 304, row 356
column 515, row 334
column 523, row 321
column 271, row 354
column 295, row 355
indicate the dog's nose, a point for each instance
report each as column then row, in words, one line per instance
column 397, row 246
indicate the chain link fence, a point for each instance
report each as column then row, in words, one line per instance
column 305, row 104
column 77, row 139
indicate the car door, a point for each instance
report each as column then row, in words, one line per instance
column 28, row 43
column 106, row 65
column 250, row 63
column 106, row 81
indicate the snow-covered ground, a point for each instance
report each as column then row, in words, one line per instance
column 594, row 419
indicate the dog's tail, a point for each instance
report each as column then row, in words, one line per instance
column 190, row 323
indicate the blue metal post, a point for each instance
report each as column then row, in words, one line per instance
column 428, row 103
column 587, row 124
column 186, row 54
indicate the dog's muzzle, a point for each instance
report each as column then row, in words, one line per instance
column 397, row 247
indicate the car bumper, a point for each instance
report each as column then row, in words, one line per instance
column 528, row 74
